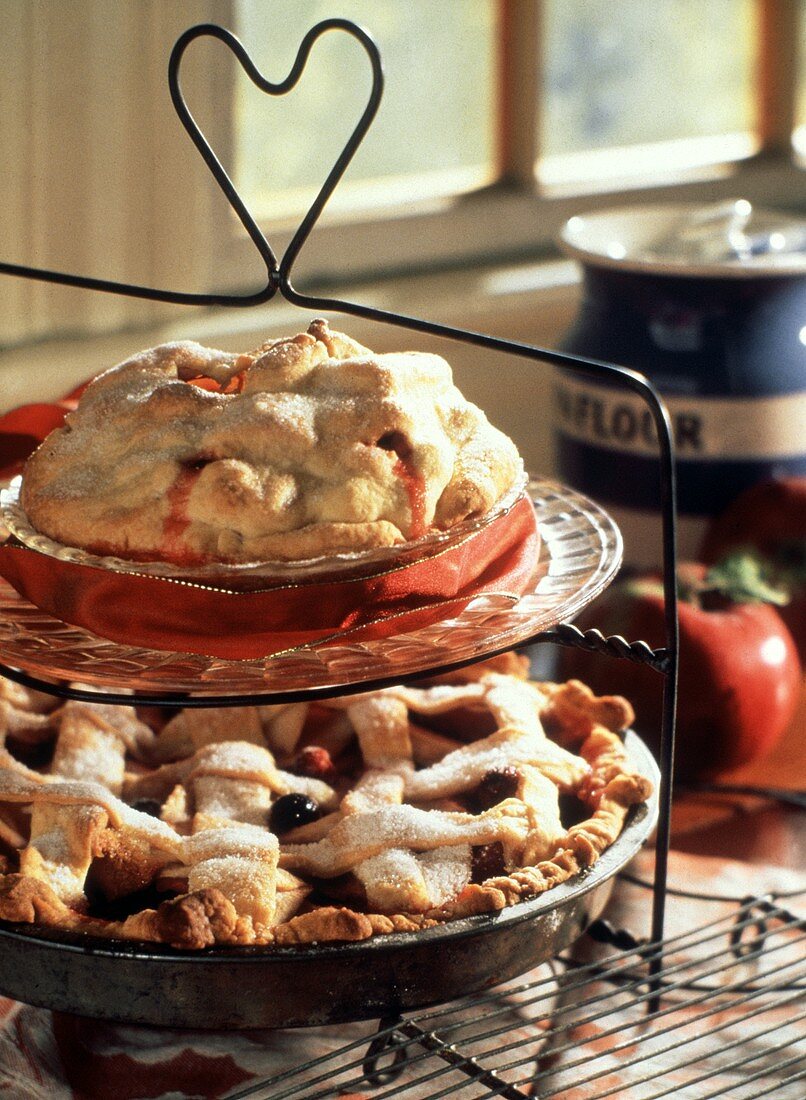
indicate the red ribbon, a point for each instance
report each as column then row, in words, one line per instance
column 169, row 615
column 23, row 429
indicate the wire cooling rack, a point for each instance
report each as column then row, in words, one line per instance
column 731, row 1022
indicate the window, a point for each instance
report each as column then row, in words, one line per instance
column 443, row 143
column 645, row 91
column 502, row 118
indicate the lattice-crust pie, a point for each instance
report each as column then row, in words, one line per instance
column 305, row 447
column 385, row 812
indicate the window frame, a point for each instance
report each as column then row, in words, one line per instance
column 514, row 219
column 517, row 218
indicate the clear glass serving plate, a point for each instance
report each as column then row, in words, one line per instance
column 580, row 554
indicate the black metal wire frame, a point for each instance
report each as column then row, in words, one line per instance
column 279, row 280
column 263, row 247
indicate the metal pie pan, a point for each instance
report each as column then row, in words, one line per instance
column 253, row 987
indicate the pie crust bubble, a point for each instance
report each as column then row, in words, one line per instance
column 305, row 447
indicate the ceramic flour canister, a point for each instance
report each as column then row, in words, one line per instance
column 710, row 304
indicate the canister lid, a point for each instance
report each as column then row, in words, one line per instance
column 732, row 238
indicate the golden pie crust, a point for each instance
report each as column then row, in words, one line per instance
column 304, row 447
column 422, row 805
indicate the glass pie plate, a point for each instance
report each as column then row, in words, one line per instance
column 252, row 575
column 581, row 550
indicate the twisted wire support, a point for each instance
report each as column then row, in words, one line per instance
column 614, row 645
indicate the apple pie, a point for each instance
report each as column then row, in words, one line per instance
column 305, row 447
column 389, row 811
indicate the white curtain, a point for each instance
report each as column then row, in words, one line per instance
column 97, row 176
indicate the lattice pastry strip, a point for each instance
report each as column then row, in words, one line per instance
column 466, row 767
column 18, row 788
column 374, row 790
column 24, row 725
column 93, row 740
column 231, row 879
column 401, row 880
column 546, row 829
column 241, row 863
column 25, row 698
column 282, row 726
column 381, row 723
column 233, row 781
column 395, row 880
column 511, row 701
column 237, row 760
column 277, row 727
column 613, row 788
column 60, row 847
column 25, row 719
column 291, row 891
column 190, row 730
column 383, row 729
column 71, row 829
column 69, row 819
column 358, row 837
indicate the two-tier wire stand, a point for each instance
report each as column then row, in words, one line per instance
column 641, row 964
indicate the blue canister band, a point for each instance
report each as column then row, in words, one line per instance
column 704, row 488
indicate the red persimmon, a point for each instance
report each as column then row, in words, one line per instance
column 770, row 518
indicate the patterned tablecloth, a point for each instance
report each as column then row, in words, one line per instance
column 57, row 1057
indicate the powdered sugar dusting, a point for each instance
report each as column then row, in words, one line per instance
column 446, row 872
column 392, row 875
column 233, row 799
column 373, row 790
column 464, row 768
column 297, row 464
column 236, row 758
column 401, row 832
column 248, row 841
column 362, row 836
column 97, row 757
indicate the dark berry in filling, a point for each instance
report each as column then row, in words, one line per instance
column 37, row 755
column 496, row 785
column 148, row 806
column 105, row 908
column 292, row 810
column 487, row 861
column 572, row 811
column 397, row 442
column 197, row 462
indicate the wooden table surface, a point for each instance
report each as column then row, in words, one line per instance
column 755, row 830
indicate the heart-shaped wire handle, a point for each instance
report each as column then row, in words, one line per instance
column 277, row 275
